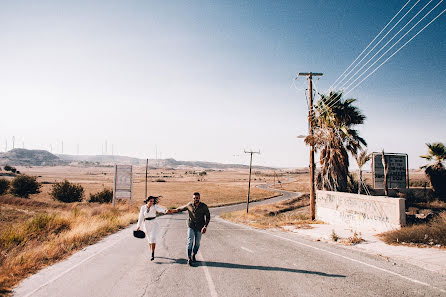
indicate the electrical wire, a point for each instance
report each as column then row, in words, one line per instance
column 389, row 42
column 334, row 83
column 397, row 51
column 334, row 101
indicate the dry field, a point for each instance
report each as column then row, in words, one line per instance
column 39, row 231
column 294, row 212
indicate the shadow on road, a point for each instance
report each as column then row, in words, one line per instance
column 242, row 266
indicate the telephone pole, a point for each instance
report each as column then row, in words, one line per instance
column 249, row 184
column 310, row 127
column 145, row 191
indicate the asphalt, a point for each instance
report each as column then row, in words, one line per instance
column 234, row 260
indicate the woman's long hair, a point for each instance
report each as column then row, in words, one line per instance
column 155, row 199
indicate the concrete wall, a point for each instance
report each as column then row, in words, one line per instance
column 377, row 213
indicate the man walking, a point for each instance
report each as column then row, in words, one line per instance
column 199, row 218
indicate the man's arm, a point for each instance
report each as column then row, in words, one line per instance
column 207, row 214
column 182, row 208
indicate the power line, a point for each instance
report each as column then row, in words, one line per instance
column 388, row 43
column 396, row 51
column 369, row 44
column 337, row 98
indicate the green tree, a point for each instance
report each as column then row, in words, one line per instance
column 104, row 196
column 334, row 137
column 4, row 185
column 67, row 192
column 24, row 185
column 435, row 171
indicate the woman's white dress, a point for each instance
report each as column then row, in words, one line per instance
column 151, row 226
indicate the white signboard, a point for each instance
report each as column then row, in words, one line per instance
column 123, row 185
column 397, row 174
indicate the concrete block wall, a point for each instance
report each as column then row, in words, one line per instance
column 361, row 212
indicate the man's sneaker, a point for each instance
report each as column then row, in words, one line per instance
column 193, row 258
column 189, row 262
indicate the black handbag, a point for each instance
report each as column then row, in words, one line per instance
column 139, row 234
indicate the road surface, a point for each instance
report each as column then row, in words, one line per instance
column 234, row 261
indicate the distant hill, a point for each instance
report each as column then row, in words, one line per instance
column 24, row 157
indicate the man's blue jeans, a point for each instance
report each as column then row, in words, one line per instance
column 193, row 241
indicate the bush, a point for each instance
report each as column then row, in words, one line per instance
column 4, row 186
column 24, row 185
column 10, row 168
column 67, row 192
column 104, row 196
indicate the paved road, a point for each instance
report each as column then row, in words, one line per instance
column 234, row 261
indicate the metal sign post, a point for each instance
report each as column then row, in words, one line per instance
column 123, row 183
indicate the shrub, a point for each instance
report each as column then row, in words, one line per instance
column 10, row 168
column 67, row 192
column 24, row 185
column 104, row 196
column 4, row 186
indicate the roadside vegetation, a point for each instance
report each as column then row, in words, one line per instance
column 432, row 233
column 293, row 212
column 36, row 234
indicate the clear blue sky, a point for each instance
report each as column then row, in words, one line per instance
column 202, row 80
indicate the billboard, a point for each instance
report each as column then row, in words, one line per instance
column 123, row 183
column 397, row 175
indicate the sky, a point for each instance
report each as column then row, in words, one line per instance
column 206, row 80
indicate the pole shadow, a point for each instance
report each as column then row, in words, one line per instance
column 248, row 267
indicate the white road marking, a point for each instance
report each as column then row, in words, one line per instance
column 74, row 266
column 208, row 277
column 339, row 255
column 248, row 250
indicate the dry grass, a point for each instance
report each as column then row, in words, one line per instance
column 43, row 236
column 290, row 212
column 300, row 185
column 430, row 234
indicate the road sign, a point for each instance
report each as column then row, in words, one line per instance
column 123, row 184
column 397, row 176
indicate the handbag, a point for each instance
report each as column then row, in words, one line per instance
column 139, row 234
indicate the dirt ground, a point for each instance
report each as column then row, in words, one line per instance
column 176, row 186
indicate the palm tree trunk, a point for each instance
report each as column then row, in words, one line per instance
column 360, row 181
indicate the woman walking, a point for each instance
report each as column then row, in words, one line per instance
column 147, row 215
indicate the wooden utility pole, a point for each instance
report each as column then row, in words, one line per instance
column 310, row 127
column 145, row 192
column 249, row 184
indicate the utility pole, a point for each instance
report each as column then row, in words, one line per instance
column 249, row 184
column 145, row 192
column 310, row 127
column 13, row 142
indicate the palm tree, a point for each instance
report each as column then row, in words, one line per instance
column 361, row 158
column 436, row 171
column 334, row 136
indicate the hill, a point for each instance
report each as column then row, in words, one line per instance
column 24, row 157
